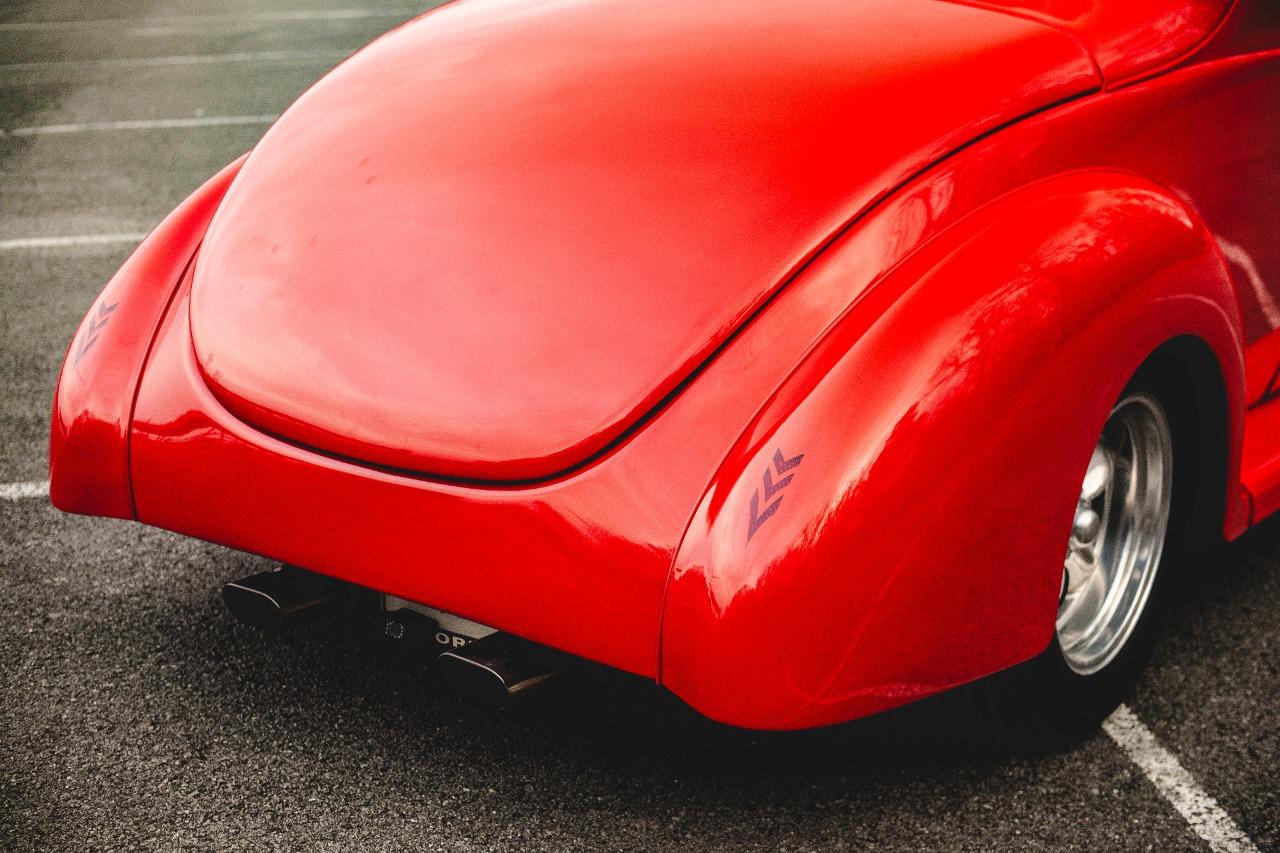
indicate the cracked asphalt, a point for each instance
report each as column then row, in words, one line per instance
column 135, row 713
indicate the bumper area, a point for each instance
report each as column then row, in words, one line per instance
column 578, row 564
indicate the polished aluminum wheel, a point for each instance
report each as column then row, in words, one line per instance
column 1117, row 535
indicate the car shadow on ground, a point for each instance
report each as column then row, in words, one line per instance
column 343, row 676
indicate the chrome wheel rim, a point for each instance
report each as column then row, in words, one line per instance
column 1117, row 535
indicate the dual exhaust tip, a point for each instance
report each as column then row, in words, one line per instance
column 289, row 598
column 496, row 669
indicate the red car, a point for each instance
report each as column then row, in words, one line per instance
column 777, row 352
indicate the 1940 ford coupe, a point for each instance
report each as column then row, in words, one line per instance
column 808, row 358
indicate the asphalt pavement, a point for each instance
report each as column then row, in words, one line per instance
column 135, row 713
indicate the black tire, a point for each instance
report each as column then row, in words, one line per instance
column 1044, row 703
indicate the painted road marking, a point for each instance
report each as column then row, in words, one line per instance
column 196, row 22
column 20, row 491
column 1197, row 808
column 70, row 242
column 140, row 124
column 189, row 59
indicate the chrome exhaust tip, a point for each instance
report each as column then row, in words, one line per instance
column 285, row 599
column 501, row 668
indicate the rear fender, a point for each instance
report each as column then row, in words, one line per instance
column 893, row 521
column 93, row 403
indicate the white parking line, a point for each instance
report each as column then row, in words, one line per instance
column 191, row 59
column 19, row 491
column 140, row 124
column 199, row 21
column 1197, row 808
column 70, row 242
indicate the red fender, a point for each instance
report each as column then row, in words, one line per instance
column 93, row 403
column 892, row 523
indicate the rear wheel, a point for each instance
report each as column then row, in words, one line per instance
column 1118, row 535
column 1132, row 526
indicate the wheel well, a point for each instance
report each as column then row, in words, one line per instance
column 1188, row 379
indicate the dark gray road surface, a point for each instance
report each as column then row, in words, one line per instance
column 134, row 712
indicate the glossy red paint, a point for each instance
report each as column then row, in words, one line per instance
column 954, row 432
column 89, row 437
column 1252, row 26
column 513, row 207
column 1262, row 459
column 912, row 382
column 1131, row 38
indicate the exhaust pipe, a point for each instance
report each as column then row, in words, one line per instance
column 496, row 669
column 285, row 599
column 500, row 668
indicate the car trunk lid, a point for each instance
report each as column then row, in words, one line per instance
column 490, row 244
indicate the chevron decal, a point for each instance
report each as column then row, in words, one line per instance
column 96, row 325
column 771, row 498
